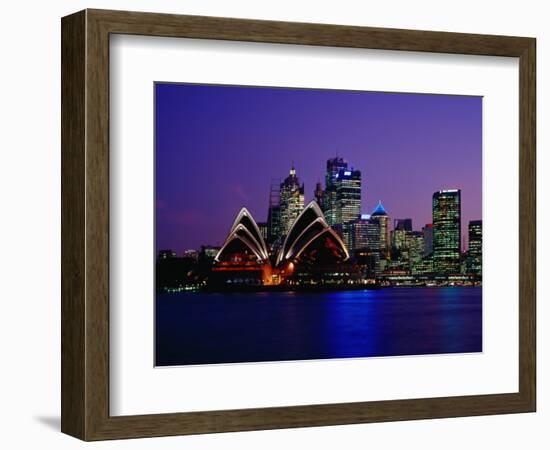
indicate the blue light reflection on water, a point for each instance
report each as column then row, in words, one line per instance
column 204, row 328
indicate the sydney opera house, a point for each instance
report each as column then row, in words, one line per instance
column 311, row 253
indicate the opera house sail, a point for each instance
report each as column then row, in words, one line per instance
column 310, row 231
column 312, row 253
column 243, row 259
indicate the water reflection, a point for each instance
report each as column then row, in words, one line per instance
column 202, row 328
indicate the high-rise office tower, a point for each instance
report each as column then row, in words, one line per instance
column 274, row 213
column 446, row 211
column 292, row 200
column 428, row 232
column 475, row 246
column 360, row 232
column 368, row 261
column 373, row 243
column 475, row 237
column 397, row 238
column 334, row 166
column 381, row 216
column 399, row 232
column 348, row 196
column 373, row 234
column 319, row 195
column 348, row 201
column 407, row 248
column 366, row 244
column 415, row 247
column 402, row 224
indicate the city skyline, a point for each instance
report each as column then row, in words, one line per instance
column 236, row 174
column 273, row 224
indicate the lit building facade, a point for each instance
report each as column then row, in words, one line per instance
column 446, row 212
column 274, row 214
column 415, row 247
column 191, row 254
column 373, row 234
column 360, row 231
column 366, row 245
column 291, row 200
column 334, row 166
column 398, row 238
column 407, row 248
column 475, row 242
column 424, row 267
column 368, row 262
column 475, row 246
column 348, row 201
column 208, row 252
column 274, row 223
column 381, row 216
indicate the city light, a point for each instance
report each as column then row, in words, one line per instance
column 329, row 242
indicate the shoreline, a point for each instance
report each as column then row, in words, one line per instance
column 305, row 289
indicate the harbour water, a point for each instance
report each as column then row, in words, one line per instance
column 209, row 328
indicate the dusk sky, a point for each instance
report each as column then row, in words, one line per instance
column 219, row 147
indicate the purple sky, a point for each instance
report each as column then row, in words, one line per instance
column 218, row 147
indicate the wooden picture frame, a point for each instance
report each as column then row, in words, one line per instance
column 85, row 224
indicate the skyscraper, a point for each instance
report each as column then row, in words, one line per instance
column 381, row 216
column 399, row 232
column 407, row 248
column 319, row 195
column 373, row 234
column 334, row 166
column 348, row 201
column 446, row 211
column 348, row 196
column 402, row 224
column 292, row 200
column 475, row 237
column 368, row 261
column 415, row 247
column 274, row 213
column 366, row 244
column 475, row 245
column 428, row 232
column 360, row 232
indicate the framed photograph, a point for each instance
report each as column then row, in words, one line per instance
column 272, row 225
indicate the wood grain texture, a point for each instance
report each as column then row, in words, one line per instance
column 528, row 223
column 73, row 226
column 151, row 24
column 85, row 224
